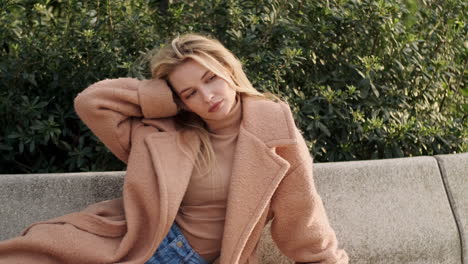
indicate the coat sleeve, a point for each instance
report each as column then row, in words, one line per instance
column 110, row 107
column 300, row 226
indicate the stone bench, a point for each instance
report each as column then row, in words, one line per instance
column 408, row 210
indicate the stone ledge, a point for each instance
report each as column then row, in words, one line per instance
column 408, row 210
column 28, row 198
column 454, row 169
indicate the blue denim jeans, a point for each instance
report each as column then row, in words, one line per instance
column 175, row 249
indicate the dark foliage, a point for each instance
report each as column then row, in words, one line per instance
column 366, row 79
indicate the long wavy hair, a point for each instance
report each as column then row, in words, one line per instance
column 211, row 54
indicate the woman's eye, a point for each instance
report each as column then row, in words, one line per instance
column 212, row 77
column 190, row 94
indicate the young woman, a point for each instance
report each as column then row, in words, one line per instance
column 210, row 161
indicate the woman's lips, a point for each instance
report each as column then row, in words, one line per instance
column 215, row 107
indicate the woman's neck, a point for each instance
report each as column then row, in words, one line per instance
column 229, row 124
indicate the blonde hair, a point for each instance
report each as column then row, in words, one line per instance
column 211, row 54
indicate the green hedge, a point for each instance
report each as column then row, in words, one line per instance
column 366, row 79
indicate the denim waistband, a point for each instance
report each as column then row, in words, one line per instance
column 176, row 249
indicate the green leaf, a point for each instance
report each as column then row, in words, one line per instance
column 323, row 128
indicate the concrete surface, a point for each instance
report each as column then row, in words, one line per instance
column 409, row 210
column 387, row 211
column 28, row 198
column 454, row 169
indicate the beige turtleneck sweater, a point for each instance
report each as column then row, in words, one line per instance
column 202, row 212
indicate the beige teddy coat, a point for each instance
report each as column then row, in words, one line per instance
column 271, row 180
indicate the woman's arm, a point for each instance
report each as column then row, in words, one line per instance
column 300, row 226
column 110, row 108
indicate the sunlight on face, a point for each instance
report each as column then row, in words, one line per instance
column 200, row 90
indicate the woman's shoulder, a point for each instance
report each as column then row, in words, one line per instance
column 268, row 109
column 271, row 120
column 268, row 101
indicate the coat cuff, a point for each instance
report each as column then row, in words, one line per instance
column 156, row 99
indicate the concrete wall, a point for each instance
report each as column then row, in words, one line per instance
column 454, row 171
column 28, row 198
column 409, row 210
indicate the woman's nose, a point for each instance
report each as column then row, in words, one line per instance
column 207, row 94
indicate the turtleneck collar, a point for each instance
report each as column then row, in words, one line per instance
column 230, row 124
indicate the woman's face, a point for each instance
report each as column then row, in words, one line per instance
column 201, row 90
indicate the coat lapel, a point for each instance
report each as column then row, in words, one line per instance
column 257, row 171
column 173, row 169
